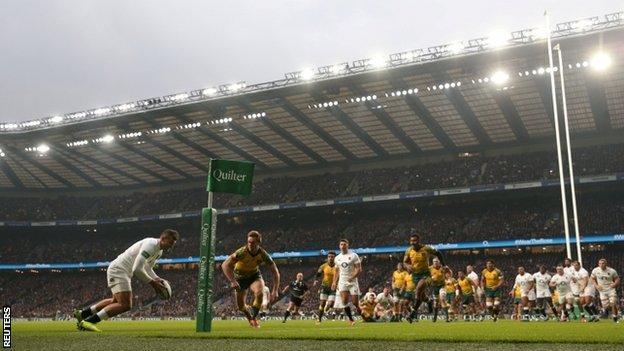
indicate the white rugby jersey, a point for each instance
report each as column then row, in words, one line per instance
column 384, row 299
column 139, row 259
column 604, row 277
column 474, row 277
column 580, row 275
column 562, row 283
column 346, row 263
column 541, row 282
column 568, row 270
column 523, row 281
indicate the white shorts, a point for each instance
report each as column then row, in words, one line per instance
column 530, row 294
column 564, row 297
column 609, row 295
column 589, row 290
column 352, row 287
column 576, row 289
column 328, row 298
column 118, row 280
column 542, row 294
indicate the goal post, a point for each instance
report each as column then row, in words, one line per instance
column 224, row 176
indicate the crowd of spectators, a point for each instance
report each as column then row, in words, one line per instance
column 314, row 229
column 49, row 295
column 460, row 171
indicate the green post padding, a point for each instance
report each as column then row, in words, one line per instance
column 206, row 270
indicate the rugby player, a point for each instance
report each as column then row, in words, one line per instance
column 384, row 302
column 467, row 288
column 562, row 283
column 452, row 295
column 542, row 292
column 298, row 289
column 348, row 268
column 242, row 270
column 583, row 290
column 398, row 286
column 327, row 296
column 526, row 283
column 266, row 298
column 137, row 261
column 416, row 261
column 368, row 307
column 478, row 296
column 491, row 282
column 436, row 282
column 606, row 279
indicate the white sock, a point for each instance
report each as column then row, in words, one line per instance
column 102, row 314
column 93, row 309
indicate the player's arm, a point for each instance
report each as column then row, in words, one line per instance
column 616, row 281
column 482, row 281
column 228, row 270
column 407, row 261
column 276, row 279
column 531, row 284
column 317, row 277
column 552, row 283
column 358, row 269
column 501, row 280
column 140, row 267
column 285, row 290
column 335, row 280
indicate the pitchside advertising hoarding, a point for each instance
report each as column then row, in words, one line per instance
column 224, row 176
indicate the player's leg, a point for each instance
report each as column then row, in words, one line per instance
column 322, row 304
column 419, row 296
column 122, row 302
column 524, row 301
column 257, row 287
column 344, row 297
column 288, row 309
column 93, row 309
column 240, row 296
column 496, row 307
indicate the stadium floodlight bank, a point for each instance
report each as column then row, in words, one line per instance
column 418, row 56
column 234, row 177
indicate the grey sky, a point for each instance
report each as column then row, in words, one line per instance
column 64, row 56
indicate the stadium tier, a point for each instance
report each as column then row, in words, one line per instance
column 455, row 151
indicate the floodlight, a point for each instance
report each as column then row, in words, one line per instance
column 601, row 61
column 499, row 77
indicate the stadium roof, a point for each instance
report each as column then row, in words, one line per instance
column 418, row 103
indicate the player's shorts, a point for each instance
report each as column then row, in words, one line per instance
column 297, row 301
column 416, row 277
column 368, row 317
column 326, row 293
column 576, row 289
column 542, row 294
column 436, row 289
column 450, row 297
column 245, row 282
column 563, row 297
column 467, row 299
column 529, row 295
column 352, row 287
column 397, row 294
column 589, row 291
column 516, row 301
column 609, row 295
column 491, row 293
column 118, row 279
column 408, row 295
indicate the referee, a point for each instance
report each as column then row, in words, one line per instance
column 297, row 289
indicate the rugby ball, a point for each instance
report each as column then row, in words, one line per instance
column 165, row 293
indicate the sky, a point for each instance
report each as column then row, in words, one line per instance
column 62, row 56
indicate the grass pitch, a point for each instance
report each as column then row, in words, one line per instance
column 305, row 335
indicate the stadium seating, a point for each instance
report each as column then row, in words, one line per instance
column 461, row 171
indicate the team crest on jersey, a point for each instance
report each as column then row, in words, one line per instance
column 344, row 264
